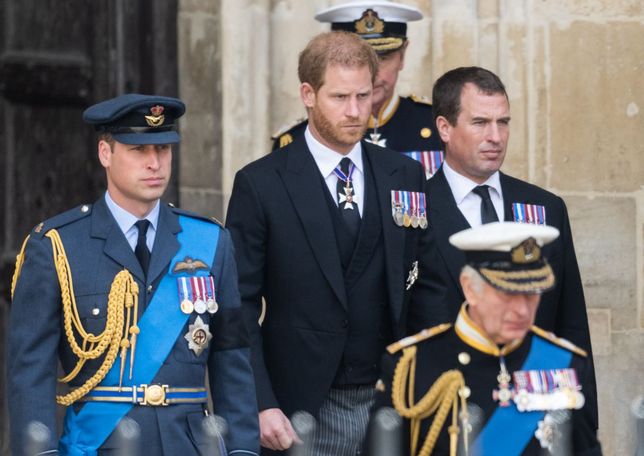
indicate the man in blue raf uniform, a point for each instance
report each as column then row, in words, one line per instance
column 493, row 383
column 404, row 124
column 136, row 299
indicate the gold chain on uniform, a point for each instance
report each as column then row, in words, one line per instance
column 442, row 396
column 122, row 306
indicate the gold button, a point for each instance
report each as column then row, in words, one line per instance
column 464, row 358
column 425, row 132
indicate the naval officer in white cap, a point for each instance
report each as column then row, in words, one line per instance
column 492, row 382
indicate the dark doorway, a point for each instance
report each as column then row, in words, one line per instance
column 58, row 57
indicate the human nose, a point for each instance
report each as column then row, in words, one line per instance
column 152, row 158
column 352, row 107
column 522, row 305
column 493, row 133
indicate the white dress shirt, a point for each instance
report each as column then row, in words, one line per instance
column 470, row 203
column 126, row 222
column 327, row 160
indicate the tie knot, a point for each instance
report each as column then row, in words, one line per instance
column 142, row 226
column 344, row 165
column 482, row 191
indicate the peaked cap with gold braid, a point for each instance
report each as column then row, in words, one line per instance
column 383, row 24
column 508, row 255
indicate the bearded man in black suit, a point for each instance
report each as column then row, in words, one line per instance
column 330, row 232
column 472, row 113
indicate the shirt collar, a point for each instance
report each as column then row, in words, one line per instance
column 473, row 336
column 328, row 159
column 461, row 186
column 126, row 220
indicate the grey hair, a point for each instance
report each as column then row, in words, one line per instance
column 475, row 278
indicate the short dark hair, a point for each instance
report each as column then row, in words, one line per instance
column 446, row 95
column 334, row 48
column 108, row 138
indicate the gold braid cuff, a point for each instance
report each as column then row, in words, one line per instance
column 442, row 397
column 122, row 299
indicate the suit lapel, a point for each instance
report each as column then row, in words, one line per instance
column 165, row 243
column 508, row 194
column 116, row 247
column 387, row 177
column 303, row 183
column 446, row 219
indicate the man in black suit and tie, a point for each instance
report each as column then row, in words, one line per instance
column 472, row 113
column 315, row 239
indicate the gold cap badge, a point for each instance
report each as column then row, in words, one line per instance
column 369, row 23
column 157, row 118
column 526, row 252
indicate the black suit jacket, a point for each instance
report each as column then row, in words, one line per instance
column 287, row 255
column 563, row 309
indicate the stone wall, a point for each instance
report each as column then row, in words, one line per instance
column 573, row 69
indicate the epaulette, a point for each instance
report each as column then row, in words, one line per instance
column 421, row 100
column 419, row 337
column 62, row 219
column 287, row 127
column 560, row 341
column 178, row 211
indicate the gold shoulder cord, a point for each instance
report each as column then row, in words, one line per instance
column 122, row 305
column 441, row 397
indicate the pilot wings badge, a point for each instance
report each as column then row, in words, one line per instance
column 190, row 266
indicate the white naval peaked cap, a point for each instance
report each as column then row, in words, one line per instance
column 508, row 255
column 502, row 236
column 353, row 11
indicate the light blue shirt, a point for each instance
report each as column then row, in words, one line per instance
column 126, row 222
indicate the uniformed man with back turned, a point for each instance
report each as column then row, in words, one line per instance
column 138, row 300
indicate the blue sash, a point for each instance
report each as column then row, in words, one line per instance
column 160, row 327
column 509, row 431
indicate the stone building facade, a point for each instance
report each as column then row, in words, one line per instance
column 573, row 70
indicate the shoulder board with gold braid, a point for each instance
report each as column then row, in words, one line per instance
column 42, row 228
column 560, row 341
column 419, row 337
column 62, row 219
column 287, row 127
column 178, row 211
column 421, row 99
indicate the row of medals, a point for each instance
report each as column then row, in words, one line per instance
column 200, row 306
column 403, row 218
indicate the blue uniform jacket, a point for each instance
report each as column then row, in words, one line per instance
column 97, row 250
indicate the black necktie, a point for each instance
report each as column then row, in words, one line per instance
column 141, row 250
column 488, row 214
column 346, row 193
